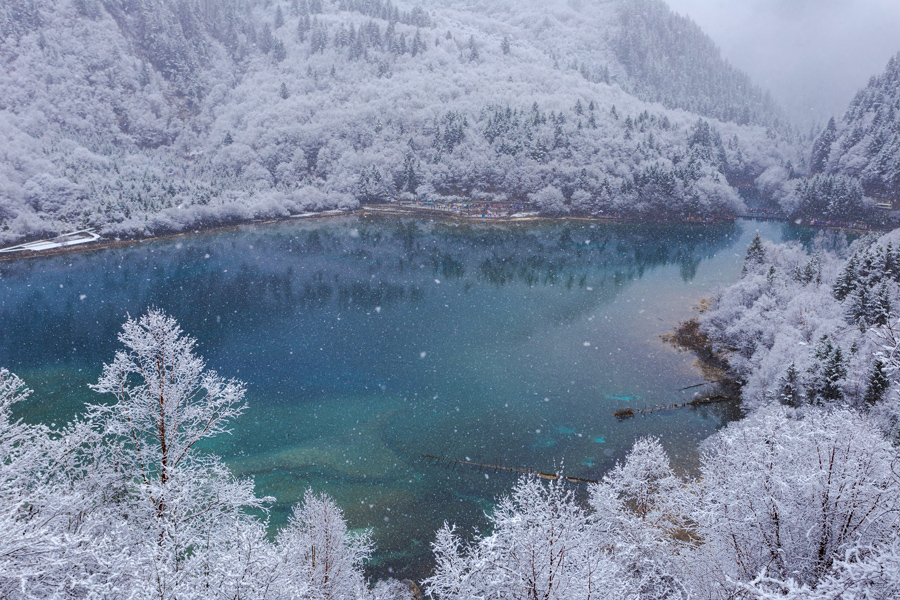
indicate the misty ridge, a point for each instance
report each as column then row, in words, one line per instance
column 139, row 118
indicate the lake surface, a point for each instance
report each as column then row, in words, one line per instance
column 368, row 342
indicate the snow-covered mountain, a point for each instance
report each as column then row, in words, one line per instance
column 865, row 143
column 143, row 116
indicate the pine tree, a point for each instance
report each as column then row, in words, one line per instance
column 279, row 52
column 417, row 44
column 408, row 180
column 858, row 307
column 303, row 27
column 881, row 306
column 846, row 281
column 789, row 387
column 895, row 260
column 279, row 17
column 810, row 272
column 473, row 49
column 877, row 385
column 756, row 255
column 890, row 266
column 830, row 371
column 145, row 75
column 228, row 139
column 266, row 39
column 822, row 148
column 319, row 39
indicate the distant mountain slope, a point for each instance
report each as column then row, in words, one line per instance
column 140, row 116
column 670, row 60
column 642, row 45
column 865, row 143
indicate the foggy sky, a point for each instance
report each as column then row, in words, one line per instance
column 813, row 55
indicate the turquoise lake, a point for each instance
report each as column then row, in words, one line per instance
column 369, row 342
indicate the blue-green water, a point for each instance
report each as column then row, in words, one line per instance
column 368, row 342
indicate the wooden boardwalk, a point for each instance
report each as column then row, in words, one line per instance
column 67, row 239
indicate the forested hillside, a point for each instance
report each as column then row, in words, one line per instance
column 667, row 58
column 854, row 162
column 142, row 117
column 865, row 144
column 813, row 328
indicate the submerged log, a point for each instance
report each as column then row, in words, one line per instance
column 630, row 412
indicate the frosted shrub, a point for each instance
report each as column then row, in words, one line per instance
column 319, row 558
column 542, row 546
column 785, row 494
column 638, row 510
column 24, row 545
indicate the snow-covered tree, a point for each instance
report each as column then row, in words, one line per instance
column 27, row 549
column 123, row 504
column 644, row 481
column 756, row 255
column 166, row 401
column 542, row 546
column 189, row 530
column 638, row 512
column 787, row 493
column 822, row 148
column 318, row 558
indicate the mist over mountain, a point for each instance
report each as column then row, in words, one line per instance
column 668, row 59
column 139, row 117
column 865, row 143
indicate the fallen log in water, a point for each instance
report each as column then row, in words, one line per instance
column 625, row 413
column 696, row 385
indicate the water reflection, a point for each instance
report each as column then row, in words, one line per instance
column 354, row 264
column 369, row 342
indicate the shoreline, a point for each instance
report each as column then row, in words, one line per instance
column 687, row 337
column 115, row 243
column 362, row 210
column 376, row 209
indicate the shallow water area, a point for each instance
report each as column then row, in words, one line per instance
column 369, row 342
